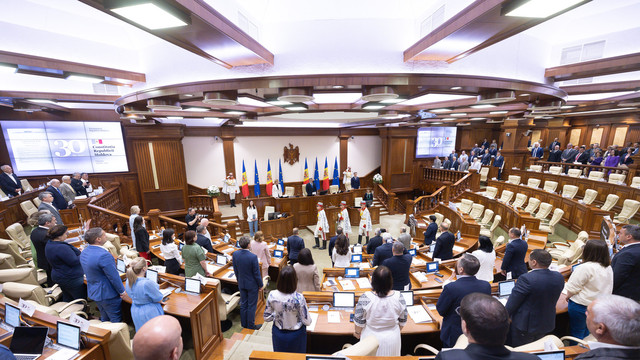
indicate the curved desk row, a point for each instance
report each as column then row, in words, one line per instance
column 511, row 217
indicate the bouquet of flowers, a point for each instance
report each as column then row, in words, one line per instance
column 377, row 178
column 213, row 191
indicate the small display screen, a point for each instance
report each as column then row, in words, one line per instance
column 432, row 267
column 408, row 297
column 152, row 275
column 351, row 272
column 277, row 253
column 221, row 259
column 121, row 266
column 192, row 285
column 505, row 287
column 12, row 315
column 344, row 299
column 356, row 258
column 68, row 335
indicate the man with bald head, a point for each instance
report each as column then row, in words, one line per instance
column 158, row 339
column 58, row 200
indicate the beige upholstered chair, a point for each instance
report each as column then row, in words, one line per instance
column 447, row 221
column 365, row 347
column 7, row 262
column 596, row 175
column 544, row 211
column 514, row 179
column 566, row 252
column 536, row 168
column 268, row 210
column 304, row 189
column 121, row 250
column 501, row 240
column 439, row 218
column 491, row 192
column 540, row 344
column 555, row 219
column 533, row 183
column 119, row 342
column 569, row 191
column 610, row 202
column 2, row 194
column 574, row 172
column 476, row 211
column 617, row 178
column 24, row 183
column 226, row 303
column 289, row 191
column 506, row 196
column 589, row 196
column 532, row 205
column 489, row 232
column 16, row 233
column 635, row 182
column 484, row 173
column 36, row 294
column 36, row 201
column 28, row 208
column 465, row 206
column 555, row 170
column 519, row 201
column 550, row 186
column 24, row 275
column 486, row 219
column 629, row 209
column 11, row 247
column 333, row 189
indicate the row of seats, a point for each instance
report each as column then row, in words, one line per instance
column 481, row 215
column 592, row 175
column 24, row 184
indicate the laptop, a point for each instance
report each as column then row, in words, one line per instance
column 351, row 272
column 120, row 265
column 550, row 355
column 278, row 254
column 356, row 258
column 432, row 267
column 344, row 300
column 221, row 260
column 192, row 285
column 68, row 335
column 413, row 252
column 408, row 297
column 27, row 343
column 280, row 242
column 504, row 290
column 11, row 315
column 152, row 275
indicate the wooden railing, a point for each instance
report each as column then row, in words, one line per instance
column 629, row 172
column 388, row 199
column 205, row 204
column 427, row 203
column 158, row 221
column 442, row 175
column 460, row 187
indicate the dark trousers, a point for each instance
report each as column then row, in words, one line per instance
column 173, row 267
column 517, row 337
column 72, row 288
column 248, row 305
column 293, row 341
column 110, row 309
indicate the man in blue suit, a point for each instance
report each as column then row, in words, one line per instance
column 532, row 303
column 430, row 233
column 294, row 244
column 537, row 151
column 452, row 295
column 247, row 270
column 514, row 254
column 626, row 264
column 375, row 242
column 202, row 238
column 399, row 264
column 498, row 162
column 444, row 244
column 104, row 285
column 58, row 200
column 486, row 158
column 384, row 251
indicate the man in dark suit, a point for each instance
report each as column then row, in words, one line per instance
column 493, row 150
column 537, row 151
column 514, row 254
column 310, row 188
column 355, row 181
column 625, row 159
column 76, row 184
column 39, row 240
column 384, row 251
column 532, row 303
column 486, row 158
column 58, row 200
column 46, row 203
column 447, row 164
column 444, row 244
column 202, row 239
column 332, row 240
column 399, row 264
column 626, row 264
column 485, row 322
column 453, row 293
column 554, row 144
column 581, row 156
column 104, row 285
column 452, row 155
column 430, row 233
column 294, row 244
column 568, row 154
column 555, row 154
column 9, row 182
column 498, row 162
column 374, row 242
column 455, row 164
column 247, row 270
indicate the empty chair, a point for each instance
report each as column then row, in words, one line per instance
column 500, row 241
column 7, row 262
column 506, row 196
column 36, row 295
column 536, row 168
column 610, row 202
column 514, row 179
column 24, row 183
column 447, row 221
column 596, row 175
column 28, row 208
column 569, row 191
column 365, row 347
column 574, row 172
column 589, row 196
column 226, row 302
column 635, row 182
column 544, row 211
column 268, row 210
column 2, row 194
column 439, row 218
column 617, row 178
column 540, row 344
column 16, row 233
column 629, row 209
column 28, row 275
column 491, row 192
column 550, row 186
column 465, row 206
column 304, row 189
column 556, row 170
column 289, row 191
column 533, row 183
column 10, row 247
column 555, row 219
column 333, row 189
column 489, row 232
column 476, row 211
column 484, row 173
column 532, row 205
column 486, row 219
column 519, row 201
column 119, row 342
column 121, row 250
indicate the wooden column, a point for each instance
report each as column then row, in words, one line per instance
column 557, row 129
column 514, row 148
column 398, row 153
column 344, row 153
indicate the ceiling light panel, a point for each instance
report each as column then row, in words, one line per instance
column 336, row 98
column 542, row 8
column 245, row 100
column 150, row 16
column 431, row 98
column 597, row 96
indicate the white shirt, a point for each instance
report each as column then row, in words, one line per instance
column 588, row 281
column 487, row 263
column 477, row 165
column 276, row 191
column 341, row 261
column 252, row 213
column 170, row 251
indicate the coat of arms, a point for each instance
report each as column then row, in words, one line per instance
column 291, row 154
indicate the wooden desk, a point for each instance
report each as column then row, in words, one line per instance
column 511, row 217
column 459, row 221
column 277, row 228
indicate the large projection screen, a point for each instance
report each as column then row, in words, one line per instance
column 435, row 141
column 64, row 147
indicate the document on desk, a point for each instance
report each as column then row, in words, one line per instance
column 422, row 277
column 458, row 248
column 212, row 268
column 314, row 321
column 63, row 354
column 364, row 283
column 347, row 285
column 228, row 250
column 167, row 291
column 333, row 317
column 419, row 314
column 365, row 265
column 417, row 262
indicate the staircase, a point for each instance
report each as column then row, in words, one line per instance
column 383, row 209
column 226, row 219
column 259, row 340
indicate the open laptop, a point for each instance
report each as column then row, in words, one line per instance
column 27, row 343
column 278, row 253
column 356, row 258
column 550, row 355
column 344, row 300
column 11, row 315
column 504, row 290
column 351, row 272
column 120, row 265
column 68, row 335
column 432, row 267
column 152, row 275
column 408, row 297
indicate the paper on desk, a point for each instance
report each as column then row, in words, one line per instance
column 159, row 268
column 314, row 308
column 26, row 308
column 422, row 277
column 212, row 268
column 203, row 279
column 167, row 291
column 364, row 265
column 333, row 317
column 364, row 283
column 227, row 250
column 415, row 261
column 419, row 314
column 347, row 285
column 458, row 248
column 63, row 354
column 314, row 321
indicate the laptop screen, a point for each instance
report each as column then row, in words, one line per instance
column 356, row 258
column 408, row 297
column 413, row 252
column 344, row 299
column 121, row 266
column 277, row 253
column 192, row 285
column 505, row 287
column 180, row 246
column 221, row 259
column 68, row 335
column 28, row 340
column 152, row 275
column 551, row 355
column 351, row 272
column 432, row 267
column 11, row 315
column 280, row 242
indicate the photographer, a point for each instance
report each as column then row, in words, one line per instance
column 192, row 219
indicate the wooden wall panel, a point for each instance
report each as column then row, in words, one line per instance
column 143, row 164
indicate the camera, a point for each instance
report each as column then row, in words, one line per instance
column 202, row 215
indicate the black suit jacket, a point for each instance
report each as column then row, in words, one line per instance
column 76, row 184
column 444, row 246
column 310, row 188
column 294, row 245
column 39, row 240
column 553, row 145
column 332, row 244
column 583, row 159
column 374, row 242
column 455, row 165
column 247, row 270
column 399, row 266
column 555, row 156
column 430, row 233
column 200, row 239
column 449, row 300
column 58, row 200
column 514, row 258
column 383, row 252
column 484, row 352
column 8, row 186
column 609, row 354
column 568, row 155
column 498, row 161
column 355, row 182
column 532, row 303
column 142, row 240
column 486, row 159
column 626, row 159
column 447, row 165
column 626, row 272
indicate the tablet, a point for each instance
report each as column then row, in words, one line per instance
column 11, row 315
column 351, row 272
column 408, row 297
column 221, row 260
column 122, row 268
column 432, row 267
column 505, row 287
column 152, row 275
column 278, row 253
column 550, row 355
column 344, row 299
column 413, row 252
column 356, row 258
column 180, row 246
column 68, row 335
column 280, row 242
column 192, row 285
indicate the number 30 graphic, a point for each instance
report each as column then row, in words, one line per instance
column 69, row 147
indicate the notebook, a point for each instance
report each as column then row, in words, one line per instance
column 27, row 343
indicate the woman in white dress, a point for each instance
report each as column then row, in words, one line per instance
column 487, row 257
column 346, row 180
column 341, row 255
column 381, row 313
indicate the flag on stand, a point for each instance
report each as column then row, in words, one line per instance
column 280, row 178
column 325, row 177
column 336, row 176
column 256, row 185
column 245, row 185
column 316, row 177
column 305, row 178
column 269, row 180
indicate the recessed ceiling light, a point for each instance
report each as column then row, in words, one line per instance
column 567, row 107
column 458, row 114
column 245, row 100
column 8, row 69
column 431, row 98
column 448, row 119
column 456, row 88
column 598, row 111
column 483, row 106
column 234, row 112
column 297, row 107
column 187, row 95
column 373, row 107
column 524, row 94
column 196, row 109
column 498, row 112
column 337, row 87
column 85, row 78
column 42, row 101
column 393, row 101
column 150, row 16
column 279, row 103
column 174, row 117
column 477, row 118
column 336, row 98
column 440, row 110
column 436, row 123
column 541, row 8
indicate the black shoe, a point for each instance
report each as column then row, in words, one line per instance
column 316, row 246
column 323, row 248
column 257, row 327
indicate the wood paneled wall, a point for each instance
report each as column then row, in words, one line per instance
column 467, row 137
column 398, row 153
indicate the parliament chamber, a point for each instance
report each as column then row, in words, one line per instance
column 305, row 123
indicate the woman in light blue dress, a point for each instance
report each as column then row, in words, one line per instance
column 145, row 293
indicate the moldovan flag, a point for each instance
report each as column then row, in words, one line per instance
column 280, row 178
column 269, row 180
column 325, row 177
column 305, row 179
column 316, row 178
column 256, row 182
column 245, row 185
column 336, row 176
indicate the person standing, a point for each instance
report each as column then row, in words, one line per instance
column 453, row 293
column 568, row 154
column 341, row 256
column 66, row 270
column 146, row 298
column 437, row 163
column 343, row 219
column 46, row 203
column 294, row 244
column 513, row 261
column 626, row 264
column 384, row 251
column 202, row 239
column 276, row 189
column 260, row 249
column 346, row 180
column 192, row 219
column 9, row 182
column 532, row 303
column 194, row 256
column 499, row 163
column 231, row 188
column 307, row 272
column 135, row 211
column 375, row 242
column 554, row 144
column 399, row 265
column 555, row 155
column 486, row 158
column 170, row 252
column 487, row 257
column 58, row 200
column 76, row 184
column 365, row 222
column 431, row 231
column 67, row 191
column 444, row 244
column 103, row 281
column 322, row 228
column 381, row 312
column 537, row 151
column 252, row 218
column 355, row 181
column 247, row 271
column 332, row 241
column 142, row 237
column 39, row 241
column 405, row 238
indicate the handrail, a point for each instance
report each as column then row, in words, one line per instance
column 442, row 175
column 426, row 203
column 388, row 199
column 627, row 171
column 460, row 186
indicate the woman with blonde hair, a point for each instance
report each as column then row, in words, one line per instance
column 145, row 294
column 260, row 249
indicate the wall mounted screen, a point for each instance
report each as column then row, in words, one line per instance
column 435, row 141
column 64, row 147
